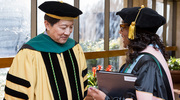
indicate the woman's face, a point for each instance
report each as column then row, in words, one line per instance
column 60, row 31
column 124, row 30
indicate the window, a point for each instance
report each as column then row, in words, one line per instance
column 149, row 3
column 115, row 41
column 14, row 26
column 91, row 28
column 92, row 25
column 160, row 10
column 169, row 22
column 3, row 73
column 14, row 31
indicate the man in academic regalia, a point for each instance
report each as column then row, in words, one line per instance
column 146, row 57
column 50, row 66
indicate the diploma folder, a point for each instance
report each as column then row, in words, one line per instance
column 115, row 84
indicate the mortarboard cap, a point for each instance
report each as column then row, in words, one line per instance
column 148, row 19
column 60, row 10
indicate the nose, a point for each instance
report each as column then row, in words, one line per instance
column 68, row 31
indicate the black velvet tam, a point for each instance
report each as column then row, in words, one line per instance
column 147, row 19
column 60, row 9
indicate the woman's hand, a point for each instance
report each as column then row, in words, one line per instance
column 96, row 94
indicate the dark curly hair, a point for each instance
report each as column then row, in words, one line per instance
column 142, row 39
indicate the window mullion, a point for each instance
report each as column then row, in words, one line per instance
column 76, row 24
column 154, row 4
column 33, row 18
column 165, row 26
column 106, row 30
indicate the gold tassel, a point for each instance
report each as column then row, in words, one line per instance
column 132, row 27
column 61, row 1
column 132, row 30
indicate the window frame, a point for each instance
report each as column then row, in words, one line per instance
column 5, row 62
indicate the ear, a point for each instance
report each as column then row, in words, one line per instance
column 47, row 24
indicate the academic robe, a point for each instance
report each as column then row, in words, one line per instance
column 153, row 77
column 46, row 70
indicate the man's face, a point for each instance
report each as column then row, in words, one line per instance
column 60, row 31
column 124, row 30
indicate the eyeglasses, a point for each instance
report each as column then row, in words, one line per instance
column 122, row 26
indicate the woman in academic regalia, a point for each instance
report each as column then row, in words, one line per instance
column 146, row 56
